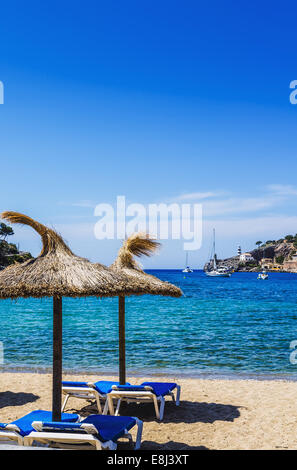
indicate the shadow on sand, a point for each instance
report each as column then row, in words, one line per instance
column 187, row 412
column 16, row 399
column 192, row 412
column 170, row 445
column 152, row 445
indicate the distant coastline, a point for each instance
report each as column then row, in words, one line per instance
column 272, row 255
column 9, row 252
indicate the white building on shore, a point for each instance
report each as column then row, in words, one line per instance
column 246, row 258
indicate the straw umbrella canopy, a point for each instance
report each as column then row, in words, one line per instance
column 137, row 245
column 57, row 273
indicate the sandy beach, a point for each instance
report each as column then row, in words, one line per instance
column 213, row 414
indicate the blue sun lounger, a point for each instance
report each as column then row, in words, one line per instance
column 147, row 391
column 88, row 391
column 99, row 431
column 20, row 428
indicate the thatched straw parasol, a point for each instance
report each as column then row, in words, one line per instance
column 137, row 245
column 56, row 273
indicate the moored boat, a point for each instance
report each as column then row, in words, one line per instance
column 263, row 276
column 214, row 270
column 187, row 268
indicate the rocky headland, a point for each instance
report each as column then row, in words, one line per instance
column 272, row 255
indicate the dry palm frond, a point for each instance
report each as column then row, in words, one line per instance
column 57, row 271
column 51, row 240
column 137, row 244
column 140, row 244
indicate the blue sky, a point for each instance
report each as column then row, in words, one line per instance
column 166, row 101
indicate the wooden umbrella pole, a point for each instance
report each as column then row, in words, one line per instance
column 122, row 353
column 57, row 359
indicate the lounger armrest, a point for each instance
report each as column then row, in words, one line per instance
column 12, row 427
column 91, row 385
column 89, row 428
column 132, row 388
column 65, row 427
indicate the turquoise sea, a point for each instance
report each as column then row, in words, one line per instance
column 221, row 327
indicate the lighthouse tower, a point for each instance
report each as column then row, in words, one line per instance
column 239, row 250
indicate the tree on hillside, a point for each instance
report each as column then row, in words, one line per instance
column 258, row 243
column 5, row 231
column 289, row 238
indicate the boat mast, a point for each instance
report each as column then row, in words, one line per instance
column 214, row 250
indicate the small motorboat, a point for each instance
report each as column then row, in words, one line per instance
column 187, row 270
column 263, row 276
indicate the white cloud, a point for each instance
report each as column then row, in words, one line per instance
column 85, row 203
column 239, row 205
column 197, row 196
column 216, row 203
column 82, row 203
column 272, row 227
column 282, row 189
column 221, row 203
column 237, row 219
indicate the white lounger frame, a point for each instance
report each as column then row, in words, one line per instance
column 77, row 438
column 144, row 396
column 11, row 433
column 87, row 393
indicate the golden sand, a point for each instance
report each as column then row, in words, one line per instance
column 213, row 414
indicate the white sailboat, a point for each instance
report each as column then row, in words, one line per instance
column 215, row 271
column 187, row 268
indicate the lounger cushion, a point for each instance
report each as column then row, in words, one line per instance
column 25, row 423
column 109, row 428
column 102, row 386
column 74, row 384
column 105, row 386
column 160, row 388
